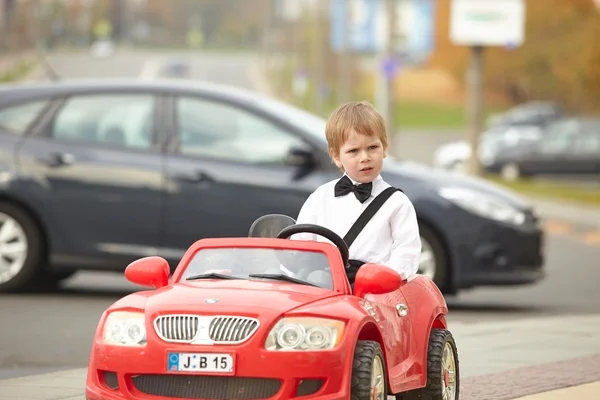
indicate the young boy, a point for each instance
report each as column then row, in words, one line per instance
column 357, row 142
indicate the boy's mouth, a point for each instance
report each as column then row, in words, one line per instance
column 366, row 169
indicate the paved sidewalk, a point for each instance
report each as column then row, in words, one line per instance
column 588, row 391
column 498, row 361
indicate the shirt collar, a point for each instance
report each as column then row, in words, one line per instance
column 376, row 190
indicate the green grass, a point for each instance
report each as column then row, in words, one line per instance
column 19, row 71
column 427, row 115
column 580, row 194
column 408, row 114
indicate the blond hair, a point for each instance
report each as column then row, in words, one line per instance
column 358, row 116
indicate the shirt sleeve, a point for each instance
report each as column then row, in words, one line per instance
column 308, row 215
column 406, row 241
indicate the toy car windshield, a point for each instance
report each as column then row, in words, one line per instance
column 296, row 266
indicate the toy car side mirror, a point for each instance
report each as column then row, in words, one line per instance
column 149, row 271
column 376, row 279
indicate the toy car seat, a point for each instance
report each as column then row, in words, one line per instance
column 269, row 226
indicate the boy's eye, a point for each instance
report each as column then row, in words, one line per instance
column 373, row 147
column 352, row 151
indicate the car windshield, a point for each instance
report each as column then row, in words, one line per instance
column 311, row 267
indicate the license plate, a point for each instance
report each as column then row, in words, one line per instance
column 200, row 362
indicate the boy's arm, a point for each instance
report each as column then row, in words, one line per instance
column 406, row 241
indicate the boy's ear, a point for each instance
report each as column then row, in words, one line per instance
column 335, row 157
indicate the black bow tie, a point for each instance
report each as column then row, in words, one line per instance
column 345, row 186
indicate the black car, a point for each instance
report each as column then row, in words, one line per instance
column 569, row 148
column 96, row 174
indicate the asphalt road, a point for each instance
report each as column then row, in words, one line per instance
column 52, row 331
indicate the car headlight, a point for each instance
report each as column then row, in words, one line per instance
column 305, row 333
column 124, row 328
column 481, row 204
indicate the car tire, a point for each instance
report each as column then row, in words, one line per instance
column 433, row 247
column 26, row 229
column 511, row 172
column 367, row 356
column 439, row 377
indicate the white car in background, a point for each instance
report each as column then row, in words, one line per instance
column 455, row 156
column 102, row 48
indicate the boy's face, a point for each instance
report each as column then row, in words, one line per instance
column 361, row 156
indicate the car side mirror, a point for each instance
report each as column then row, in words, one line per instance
column 300, row 157
column 149, row 271
column 376, row 279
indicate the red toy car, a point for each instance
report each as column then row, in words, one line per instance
column 271, row 318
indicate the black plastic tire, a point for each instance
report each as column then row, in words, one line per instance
column 35, row 252
column 364, row 356
column 435, row 352
column 442, row 272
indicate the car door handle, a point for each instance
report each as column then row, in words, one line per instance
column 195, row 177
column 60, row 159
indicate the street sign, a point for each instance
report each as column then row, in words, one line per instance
column 487, row 22
column 390, row 67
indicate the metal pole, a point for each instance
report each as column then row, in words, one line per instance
column 344, row 79
column 319, row 62
column 390, row 53
column 475, row 106
column 266, row 32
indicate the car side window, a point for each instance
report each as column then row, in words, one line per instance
column 587, row 144
column 16, row 119
column 217, row 130
column 118, row 120
column 559, row 138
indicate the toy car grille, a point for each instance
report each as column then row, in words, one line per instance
column 177, row 328
column 184, row 328
column 206, row 387
column 231, row 329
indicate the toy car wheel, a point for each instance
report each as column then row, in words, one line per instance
column 21, row 248
column 443, row 379
column 369, row 376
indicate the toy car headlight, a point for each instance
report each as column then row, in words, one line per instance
column 304, row 333
column 125, row 329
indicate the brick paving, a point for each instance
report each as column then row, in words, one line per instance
column 531, row 380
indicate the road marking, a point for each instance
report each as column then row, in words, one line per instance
column 150, row 70
column 587, row 235
column 592, row 238
column 552, row 227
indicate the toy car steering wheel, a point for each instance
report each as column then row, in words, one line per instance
column 318, row 230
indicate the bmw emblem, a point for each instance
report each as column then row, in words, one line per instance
column 211, row 301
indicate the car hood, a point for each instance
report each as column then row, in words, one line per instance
column 266, row 299
column 419, row 176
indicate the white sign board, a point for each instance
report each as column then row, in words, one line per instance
column 487, row 22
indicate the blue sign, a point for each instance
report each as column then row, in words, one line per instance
column 390, row 67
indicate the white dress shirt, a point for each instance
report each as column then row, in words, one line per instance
column 390, row 238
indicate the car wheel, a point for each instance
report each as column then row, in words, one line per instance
column 369, row 376
column 21, row 248
column 434, row 260
column 443, row 378
column 510, row 172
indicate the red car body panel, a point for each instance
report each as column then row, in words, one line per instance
column 404, row 339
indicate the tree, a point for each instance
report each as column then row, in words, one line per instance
column 558, row 60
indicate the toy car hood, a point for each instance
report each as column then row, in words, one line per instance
column 225, row 297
